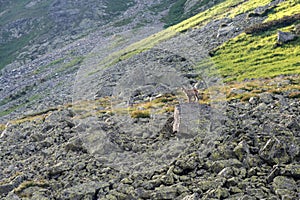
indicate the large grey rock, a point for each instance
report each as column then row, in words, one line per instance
column 241, row 150
column 194, row 196
column 284, row 37
column 14, row 183
column 285, row 187
column 227, row 30
column 165, row 193
column 297, row 29
column 274, row 152
column 85, row 190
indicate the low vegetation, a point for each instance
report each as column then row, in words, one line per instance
column 123, row 22
column 27, row 184
column 175, row 13
column 282, row 85
column 116, row 6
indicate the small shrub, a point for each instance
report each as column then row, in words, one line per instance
column 140, row 114
column 169, row 109
column 2, row 127
column 294, row 95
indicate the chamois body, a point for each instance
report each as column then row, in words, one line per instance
column 192, row 94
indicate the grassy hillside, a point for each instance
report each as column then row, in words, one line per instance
column 247, row 55
column 257, row 55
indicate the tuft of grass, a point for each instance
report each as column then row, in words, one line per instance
column 27, row 184
column 140, row 114
column 168, row 109
column 2, row 127
column 278, row 85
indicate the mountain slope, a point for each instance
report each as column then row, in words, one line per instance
column 107, row 118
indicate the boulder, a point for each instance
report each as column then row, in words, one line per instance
column 284, row 37
column 282, row 182
column 190, row 119
column 241, row 150
column 194, row 196
column 297, row 29
column 274, row 152
column 223, row 31
column 165, row 193
column 85, row 190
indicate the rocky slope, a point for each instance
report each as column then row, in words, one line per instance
column 255, row 156
column 105, row 130
column 45, row 67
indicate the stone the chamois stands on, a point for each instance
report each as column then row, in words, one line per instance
column 188, row 115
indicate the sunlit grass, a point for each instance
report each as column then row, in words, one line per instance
column 246, row 7
column 286, row 8
column 255, row 56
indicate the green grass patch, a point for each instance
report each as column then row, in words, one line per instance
column 10, row 110
column 70, row 65
column 175, row 13
column 34, row 97
column 53, row 63
column 116, row 6
column 254, row 56
column 5, row 101
column 286, row 8
column 123, row 22
column 151, row 41
column 164, row 5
